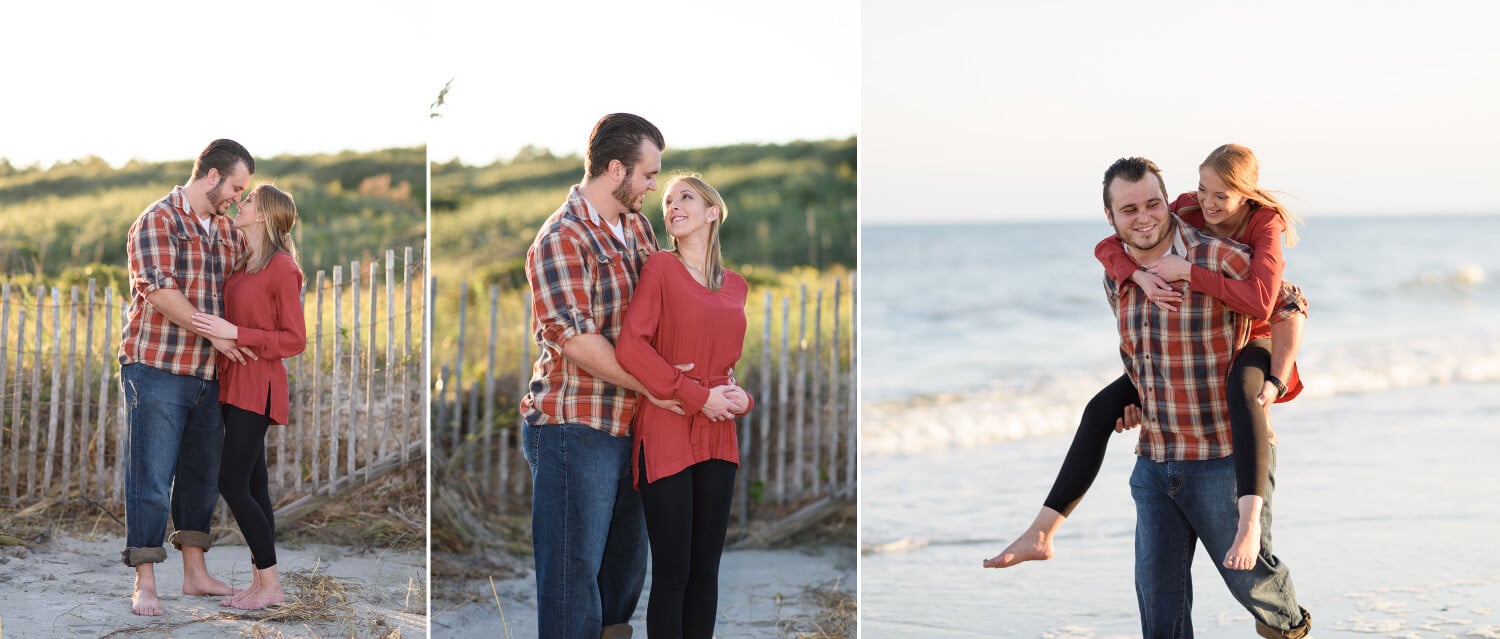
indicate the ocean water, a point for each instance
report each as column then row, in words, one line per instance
column 980, row 345
column 983, row 333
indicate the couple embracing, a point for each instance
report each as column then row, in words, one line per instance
column 216, row 304
column 628, row 424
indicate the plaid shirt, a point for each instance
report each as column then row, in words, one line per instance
column 168, row 248
column 1180, row 361
column 582, row 278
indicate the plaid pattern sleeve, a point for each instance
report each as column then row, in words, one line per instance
column 1180, row 360
column 165, row 249
column 1290, row 302
column 582, row 279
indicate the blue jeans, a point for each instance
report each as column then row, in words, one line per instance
column 587, row 529
column 1178, row 504
column 176, row 433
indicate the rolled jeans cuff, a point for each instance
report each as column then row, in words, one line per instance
column 1297, row 632
column 136, row 556
column 180, row 538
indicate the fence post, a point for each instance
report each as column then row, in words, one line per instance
column 4, row 371
column 406, row 358
column 799, row 443
column 488, row 423
column 83, row 401
column 833, row 391
column 763, row 473
column 353, row 382
column 815, row 398
column 392, row 420
column 36, row 406
column 105, row 367
column 458, row 372
column 68, row 406
column 370, row 439
column 335, row 386
column 15, row 409
column 781, row 399
column 852, row 455
column 317, row 385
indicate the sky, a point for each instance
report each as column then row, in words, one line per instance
column 980, row 111
column 541, row 73
column 120, row 81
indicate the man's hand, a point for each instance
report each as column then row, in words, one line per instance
column 673, row 405
column 1131, row 419
column 1157, row 290
column 229, row 349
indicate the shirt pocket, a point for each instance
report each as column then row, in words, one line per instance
column 613, row 286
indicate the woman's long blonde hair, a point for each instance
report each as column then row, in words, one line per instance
column 280, row 213
column 715, row 267
column 1237, row 166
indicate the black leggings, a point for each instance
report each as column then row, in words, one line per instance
column 243, row 481
column 687, row 516
column 1249, row 427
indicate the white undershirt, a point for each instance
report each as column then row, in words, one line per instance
column 187, row 206
column 618, row 229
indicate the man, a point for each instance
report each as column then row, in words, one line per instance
column 588, row 530
column 1184, row 483
column 180, row 250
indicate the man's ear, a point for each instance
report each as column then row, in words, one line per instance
column 617, row 170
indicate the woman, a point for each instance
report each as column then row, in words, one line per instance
column 1229, row 203
column 686, row 308
column 263, row 313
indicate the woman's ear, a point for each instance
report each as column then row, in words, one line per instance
column 713, row 214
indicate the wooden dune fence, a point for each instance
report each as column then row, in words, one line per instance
column 357, row 392
column 798, row 444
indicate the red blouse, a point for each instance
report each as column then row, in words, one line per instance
column 673, row 319
column 267, row 308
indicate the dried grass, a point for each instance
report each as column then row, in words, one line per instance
column 837, row 616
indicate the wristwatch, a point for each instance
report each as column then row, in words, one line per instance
column 1280, row 386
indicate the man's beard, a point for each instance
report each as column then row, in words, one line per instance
column 625, row 197
column 216, row 200
column 1170, row 224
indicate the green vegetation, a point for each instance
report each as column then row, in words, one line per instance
column 67, row 223
column 789, row 205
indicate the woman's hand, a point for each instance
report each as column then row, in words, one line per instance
column 1171, row 268
column 1268, row 394
column 739, row 400
column 719, row 406
column 215, row 326
column 1131, row 419
column 1157, row 290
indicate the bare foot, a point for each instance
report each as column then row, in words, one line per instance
column 144, row 600
column 263, row 598
column 1033, row 545
column 1246, row 547
column 200, row 585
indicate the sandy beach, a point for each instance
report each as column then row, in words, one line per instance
column 762, row 593
column 77, row 587
column 1385, row 508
